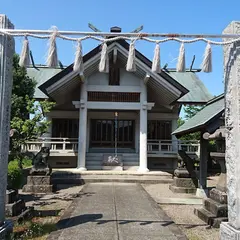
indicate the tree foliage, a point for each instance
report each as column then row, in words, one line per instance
column 189, row 112
column 27, row 115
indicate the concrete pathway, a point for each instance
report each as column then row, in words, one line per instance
column 115, row 211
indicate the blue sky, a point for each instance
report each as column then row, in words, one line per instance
column 176, row 16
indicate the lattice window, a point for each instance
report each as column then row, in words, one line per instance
column 159, row 130
column 113, row 97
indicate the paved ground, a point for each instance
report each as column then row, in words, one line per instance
column 115, row 211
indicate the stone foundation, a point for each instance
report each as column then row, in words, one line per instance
column 14, row 206
column 227, row 232
column 183, row 182
column 38, row 184
column 215, row 209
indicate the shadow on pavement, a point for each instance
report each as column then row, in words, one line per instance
column 77, row 220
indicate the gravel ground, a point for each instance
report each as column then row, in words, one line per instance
column 191, row 225
column 183, row 215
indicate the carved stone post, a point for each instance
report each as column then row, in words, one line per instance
column 231, row 229
column 6, row 58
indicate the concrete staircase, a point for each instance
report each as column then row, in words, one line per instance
column 94, row 160
column 65, row 177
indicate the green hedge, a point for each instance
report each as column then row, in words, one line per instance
column 15, row 175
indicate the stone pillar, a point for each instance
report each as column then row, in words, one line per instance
column 231, row 229
column 6, row 58
column 82, row 138
column 143, row 130
column 202, row 190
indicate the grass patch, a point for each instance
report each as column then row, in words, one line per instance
column 37, row 229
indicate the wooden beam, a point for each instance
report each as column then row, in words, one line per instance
column 81, row 75
column 147, row 77
column 115, row 55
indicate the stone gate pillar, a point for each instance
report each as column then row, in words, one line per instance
column 231, row 229
column 6, row 57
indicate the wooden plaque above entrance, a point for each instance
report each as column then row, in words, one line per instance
column 113, row 97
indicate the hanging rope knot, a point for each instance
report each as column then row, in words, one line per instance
column 131, row 62
column 104, row 60
column 78, row 62
column 156, row 66
column 52, row 59
column 181, row 59
column 207, row 60
column 24, row 60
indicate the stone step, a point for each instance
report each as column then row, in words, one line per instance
column 217, row 221
column 94, row 162
column 176, row 189
column 93, row 167
column 218, row 196
column 81, row 179
column 131, row 163
column 204, row 215
column 216, row 208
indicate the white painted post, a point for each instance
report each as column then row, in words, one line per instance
column 143, row 130
column 6, row 58
column 174, row 143
column 231, row 229
column 82, row 128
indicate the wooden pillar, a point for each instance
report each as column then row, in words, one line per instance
column 231, row 229
column 6, row 61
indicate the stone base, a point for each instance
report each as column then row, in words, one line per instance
column 176, row 189
column 228, row 232
column 38, row 188
column 214, row 210
column 38, row 184
column 6, row 229
column 185, row 182
column 184, row 185
column 143, row 170
column 41, row 171
column 82, row 169
column 14, row 209
column 209, row 218
column 115, row 168
column 202, row 193
column 218, row 196
column 181, row 173
column 11, row 196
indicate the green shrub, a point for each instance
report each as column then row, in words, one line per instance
column 15, row 176
column 26, row 162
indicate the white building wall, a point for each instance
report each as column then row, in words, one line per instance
column 129, row 79
column 98, row 79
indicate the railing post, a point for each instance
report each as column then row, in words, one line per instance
column 64, row 144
